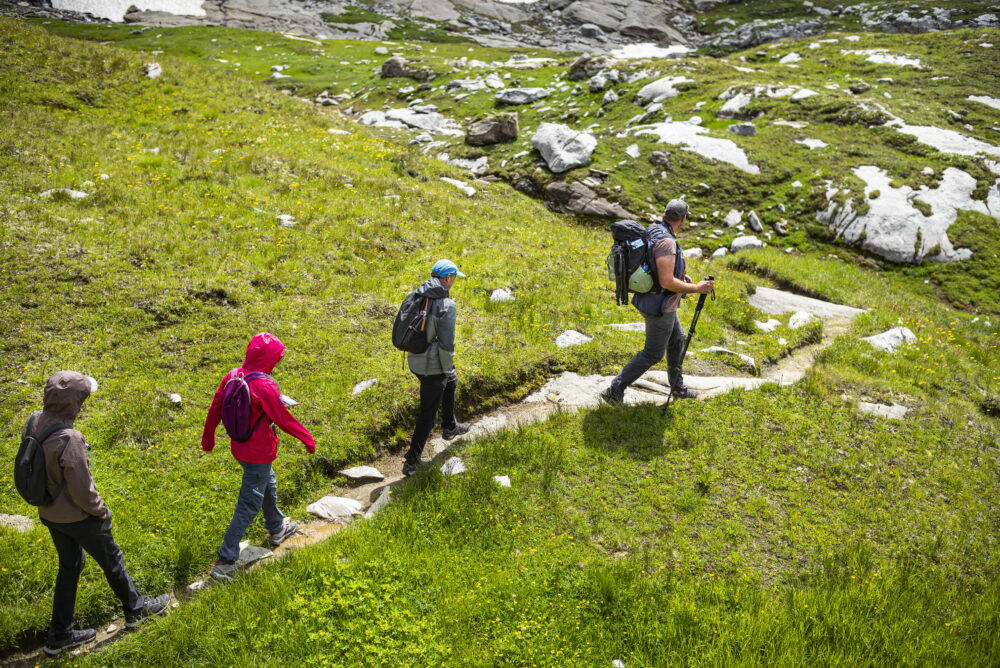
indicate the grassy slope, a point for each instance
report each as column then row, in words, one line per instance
column 776, row 527
column 917, row 95
column 138, row 310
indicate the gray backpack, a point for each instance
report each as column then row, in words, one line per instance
column 29, row 466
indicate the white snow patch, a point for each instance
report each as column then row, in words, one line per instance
column 984, row 99
column 646, row 50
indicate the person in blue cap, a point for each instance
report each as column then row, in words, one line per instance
column 435, row 367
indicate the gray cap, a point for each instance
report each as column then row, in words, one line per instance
column 676, row 209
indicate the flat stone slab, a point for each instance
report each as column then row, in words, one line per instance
column 363, row 473
column 335, row 508
column 776, row 302
column 893, row 412
column 18, row 523
column 251, row 553
column 381, row 502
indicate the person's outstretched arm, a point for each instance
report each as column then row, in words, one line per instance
column 213, row 419
column 266, row 392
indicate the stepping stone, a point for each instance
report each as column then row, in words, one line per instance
column 892, row 339
column 363, row 473
column 776, row 302
column 250, row 554
column 335, row 508
column 453, row 466
column 893, row 412
column 381, row 502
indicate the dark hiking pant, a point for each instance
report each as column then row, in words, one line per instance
column 436, row 391
column 72, row 539
column 663, row 335
column 258, row 491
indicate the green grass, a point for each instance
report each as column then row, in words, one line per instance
column 845, row 121
column 157, row 280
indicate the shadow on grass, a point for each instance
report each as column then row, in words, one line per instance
column 641, row 432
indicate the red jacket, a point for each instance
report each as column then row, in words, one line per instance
column 263, row 353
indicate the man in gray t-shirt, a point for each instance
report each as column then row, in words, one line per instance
column 663, row 329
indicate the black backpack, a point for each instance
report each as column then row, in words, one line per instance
column 409, row 330
column 29, row 466
column 628, row 262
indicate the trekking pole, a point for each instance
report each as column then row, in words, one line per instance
column 687, row 341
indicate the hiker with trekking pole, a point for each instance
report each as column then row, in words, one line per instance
column 649, row 263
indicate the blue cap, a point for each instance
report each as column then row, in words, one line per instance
column 443, row 268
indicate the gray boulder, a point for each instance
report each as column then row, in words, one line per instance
column 577, row 199
column 754, row 221
column 892, row 339
column 515, row 96
column 492, row 130
column 591, row 30
column 660, row 159
column 587, row 66
column 744, row 243
column 399, row 67
column 743, row 129
column 563, row 148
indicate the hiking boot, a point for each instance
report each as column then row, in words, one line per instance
column 459, row 429
column 153, row 607
column 75, row 638
column 223, row 571
column 685, row 392
column 612, row 397
column 410, row 469
column 279, row 537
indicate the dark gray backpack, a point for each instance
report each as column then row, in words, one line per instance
column 29, row 466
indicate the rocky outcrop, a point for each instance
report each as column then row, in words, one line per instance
column 492, row 130
column 579, row 200
column 562, row 148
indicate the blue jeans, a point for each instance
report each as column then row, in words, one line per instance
column 258, row 490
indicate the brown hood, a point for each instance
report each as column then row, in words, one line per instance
column 65, row 393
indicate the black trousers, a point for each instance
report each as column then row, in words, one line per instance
column 72, row 539
column 436, row 391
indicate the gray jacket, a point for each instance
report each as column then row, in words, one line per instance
column 439, row 358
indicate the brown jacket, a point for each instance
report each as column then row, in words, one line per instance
column 66, row 451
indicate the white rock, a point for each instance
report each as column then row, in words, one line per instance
column 745, row 242
column 502, row 480
column 381, row 51
column 775, row 302
column 890, row 340
column 733, row 218
column 279, row 75
column 501, row 295
column 782, row 341
column 802, row 94
column 692, row 138
column 790, row 58
column 893, row 412
column 461, row 185
column 800, row 318
column 632, row 151
column 735, row 104
column 617, row 663
column 380, row 502
column 453, row 466
column 174, row 398
column 768, row 326
column 661, row 89
column 892, row 226
column 572, row 338
column 719, row 252
column 693, row 254
column 335, row 508
column 153, row 70
column 18, row 523
column 287, row 220
column 812, row 143
column 562, row 148
column 478, row 166
column 357, row 473
column 72, row 194
column 517, row 96
column 883, row 57
column 288, row 401
column 629, row 326
column 717, row 349
column 198, row 585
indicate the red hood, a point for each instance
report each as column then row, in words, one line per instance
column 263, row 353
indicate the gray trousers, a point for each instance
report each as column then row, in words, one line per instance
column 663, row 334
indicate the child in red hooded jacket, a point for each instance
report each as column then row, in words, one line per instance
column 259, row 489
